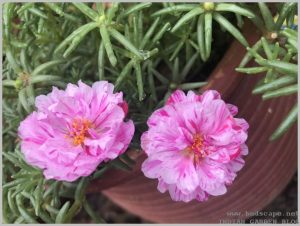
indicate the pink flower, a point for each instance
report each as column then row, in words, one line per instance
column 194, row 145
column 73, row 131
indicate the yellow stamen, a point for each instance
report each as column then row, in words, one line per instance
column 196, row 149
column 78, row 131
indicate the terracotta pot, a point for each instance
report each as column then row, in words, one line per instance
column 268, row 169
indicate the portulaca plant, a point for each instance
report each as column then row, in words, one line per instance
column 85, row 82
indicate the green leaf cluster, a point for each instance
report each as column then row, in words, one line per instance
column 276, row 55
column 204, row 14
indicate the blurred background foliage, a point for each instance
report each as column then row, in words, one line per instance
column 147, row 50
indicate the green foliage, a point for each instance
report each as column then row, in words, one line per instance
column 29, row 198
column 206, row 12
column 147, row 50
column 276, row 54
column 286, row 123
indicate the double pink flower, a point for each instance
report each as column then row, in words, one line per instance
column 73, row 131
column 194, row 145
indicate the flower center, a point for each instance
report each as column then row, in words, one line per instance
column 196, row 149
column 197, row 145
column 79, row 130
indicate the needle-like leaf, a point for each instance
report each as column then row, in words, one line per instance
column 267, row 16
column 107, row 45
column 278, row 83
column 201, row 37
column 232, row 7
column 286, row 123
column 281, row 92
column 208, row 33
column 187, row 17
column 175, row 9
column 86, row 10
column 123, row 40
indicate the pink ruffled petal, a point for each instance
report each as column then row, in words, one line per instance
column 103, row 86
column 162, row 186
column 215, row 117
column 208, row 96
column 177, row 195
column 232, row 109
column 151, row 168
column 176, row 96
column 188, row 180
column 124, row 135
column 221, row 156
